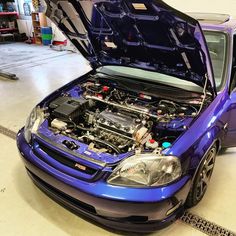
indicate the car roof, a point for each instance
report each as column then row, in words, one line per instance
column 215, row 21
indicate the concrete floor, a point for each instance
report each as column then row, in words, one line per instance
column 25, row 210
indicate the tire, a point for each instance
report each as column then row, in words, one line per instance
column 222, row 150
column 202, row 178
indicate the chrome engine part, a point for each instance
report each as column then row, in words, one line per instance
column 117, row 122
column 121, row 129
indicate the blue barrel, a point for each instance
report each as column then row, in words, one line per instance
column 46, row 33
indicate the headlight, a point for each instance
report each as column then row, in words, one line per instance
column 33, row 122
column 146, row 170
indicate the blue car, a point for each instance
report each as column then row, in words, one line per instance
column 133, row 143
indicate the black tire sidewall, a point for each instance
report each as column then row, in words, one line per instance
column 192, row 199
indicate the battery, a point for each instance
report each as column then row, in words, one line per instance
column 68, row 108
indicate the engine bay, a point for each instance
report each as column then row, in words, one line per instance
column 116, row 120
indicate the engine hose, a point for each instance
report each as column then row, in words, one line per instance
column 150, row 125
column 83, row 128
column 125, row 145
column 110, row 145
column 167, row 138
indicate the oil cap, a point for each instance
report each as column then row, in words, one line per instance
column 152, row 144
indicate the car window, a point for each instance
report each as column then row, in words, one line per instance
column 216, row 42
column 140, row 74
column 233, row 71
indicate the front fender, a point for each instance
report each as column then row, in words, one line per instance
column 206, row 129
column 192, row 158
column 203, row 145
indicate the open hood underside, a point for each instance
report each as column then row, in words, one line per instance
column 141, row 34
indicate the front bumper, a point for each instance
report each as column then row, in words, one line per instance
column 139, row 210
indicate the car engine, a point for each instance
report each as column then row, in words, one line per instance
column 113, row 120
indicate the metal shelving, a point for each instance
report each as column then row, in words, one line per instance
column 38, row 20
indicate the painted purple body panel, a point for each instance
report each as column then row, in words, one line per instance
column 114, row 204
column 229, row 26
column 177, row 42
column 101, row 188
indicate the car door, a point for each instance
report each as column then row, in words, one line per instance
column 230, row 126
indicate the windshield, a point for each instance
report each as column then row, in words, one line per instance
column 216, row 42
column 149, row 76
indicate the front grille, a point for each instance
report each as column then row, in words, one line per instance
column 66, row 160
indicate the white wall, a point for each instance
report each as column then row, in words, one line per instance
column 25, row 26
column 209, row 6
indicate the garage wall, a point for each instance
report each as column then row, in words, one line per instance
column 209, row 6
column 25, row 26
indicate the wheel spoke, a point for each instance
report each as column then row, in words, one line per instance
column 204, row 188
column 209, row 167
column 205, row 180
column 200, row 189
column 209, row 160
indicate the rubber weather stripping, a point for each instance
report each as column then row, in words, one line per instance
column 205, row 226
column 7, row 132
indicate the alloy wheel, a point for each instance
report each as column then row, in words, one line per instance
column 205, row 173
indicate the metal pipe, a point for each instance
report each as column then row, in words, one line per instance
column 134, row 109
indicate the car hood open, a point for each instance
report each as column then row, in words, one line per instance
column 137, row 33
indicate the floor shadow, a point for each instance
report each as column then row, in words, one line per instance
column 227, row 151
